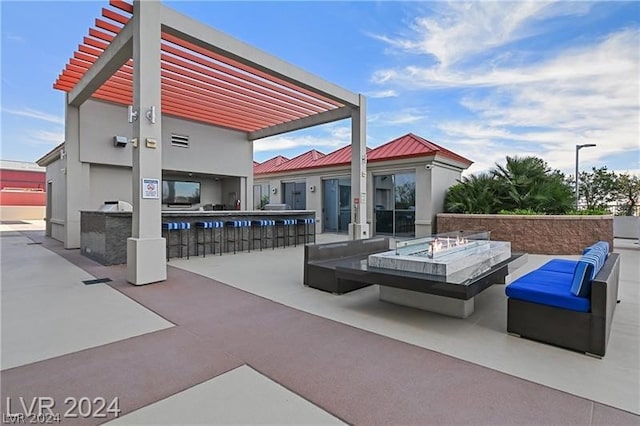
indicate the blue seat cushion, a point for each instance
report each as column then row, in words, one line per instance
column 560, row 265
column 548, row 288
column 176, row 225
column 239, row 223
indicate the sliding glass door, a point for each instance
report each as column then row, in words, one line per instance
column 395, row 204
column 336, row 210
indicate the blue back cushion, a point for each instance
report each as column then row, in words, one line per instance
column 603, row 245
column 587, row 268
column 582, row 276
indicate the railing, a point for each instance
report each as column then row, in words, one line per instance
column 443, row 244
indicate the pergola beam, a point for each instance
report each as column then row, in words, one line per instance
column 194, row 32
column 120, row 50
column 302, row 123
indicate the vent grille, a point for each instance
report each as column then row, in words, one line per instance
column 181, row 141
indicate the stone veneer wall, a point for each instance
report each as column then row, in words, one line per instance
column 535, row 234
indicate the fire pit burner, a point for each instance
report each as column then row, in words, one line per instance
column 440, row 245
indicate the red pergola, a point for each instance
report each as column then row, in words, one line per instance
column 203, row 85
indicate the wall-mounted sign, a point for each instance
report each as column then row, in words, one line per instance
column 150, row 188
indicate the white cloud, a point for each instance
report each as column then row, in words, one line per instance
column 383, row 94
column 33, row 113
column 336, row 137
column 574, row 95
column 583, row 96
column 401, row 117
column 44, row 137
column 457, row 30
column 15, row 37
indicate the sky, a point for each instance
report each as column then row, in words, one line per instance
column 483, row 79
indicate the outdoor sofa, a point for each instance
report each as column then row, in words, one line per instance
column 321, row 261
column 567, row 303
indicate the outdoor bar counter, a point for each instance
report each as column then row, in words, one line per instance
column 103, row 234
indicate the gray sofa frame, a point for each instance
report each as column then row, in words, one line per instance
column 321, row 260
column 586, row 332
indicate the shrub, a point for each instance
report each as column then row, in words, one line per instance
column 527, row 212
column 595, row 211
column 522, row 184
column 474, row 194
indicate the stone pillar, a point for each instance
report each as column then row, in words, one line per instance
column 146, row 262
column 358, row 228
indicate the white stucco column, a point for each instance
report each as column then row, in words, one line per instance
column 77, row 177
column 424, row 208
column 358, row 228
column 146, row 262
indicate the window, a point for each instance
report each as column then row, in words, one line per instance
column 395, row 203
column 261, row 195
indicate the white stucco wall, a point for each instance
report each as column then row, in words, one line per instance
column 58, row 198
column 109, row 183
column 211, row 149
column 433, row 178
column 100, row 171
column 442, row 177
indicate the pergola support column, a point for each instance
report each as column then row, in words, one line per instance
column 358, row 228
column 146, row 261
column 77, row 176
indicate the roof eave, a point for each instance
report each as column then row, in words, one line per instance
column 50, row 156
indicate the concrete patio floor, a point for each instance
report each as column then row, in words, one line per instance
column 53, row 322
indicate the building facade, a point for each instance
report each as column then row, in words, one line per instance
column 156, row 99
column 407, row 179
column 22, row 191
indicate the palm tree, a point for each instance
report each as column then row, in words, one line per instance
column 523, row 183
column 474, row 194
column 530, row 184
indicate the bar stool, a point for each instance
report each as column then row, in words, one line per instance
column 262, row 226
column 238, row 226
column 308, row 228
column 202, row 227
column 285, row 225
column 170, row 228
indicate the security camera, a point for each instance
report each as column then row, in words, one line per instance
column 428, row 167
column 120, row 141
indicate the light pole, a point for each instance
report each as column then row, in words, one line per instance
column 578, row 148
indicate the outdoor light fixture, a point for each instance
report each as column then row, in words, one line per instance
column 132, row 115
column 151, row 115
column 578, row 148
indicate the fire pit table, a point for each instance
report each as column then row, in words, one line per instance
column 441, row 273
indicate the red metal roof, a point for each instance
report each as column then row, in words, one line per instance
column 411, row 145
column 337, row 157
column 197, row 84
column 270, row 166
column 406, row 146
column 303, row 161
